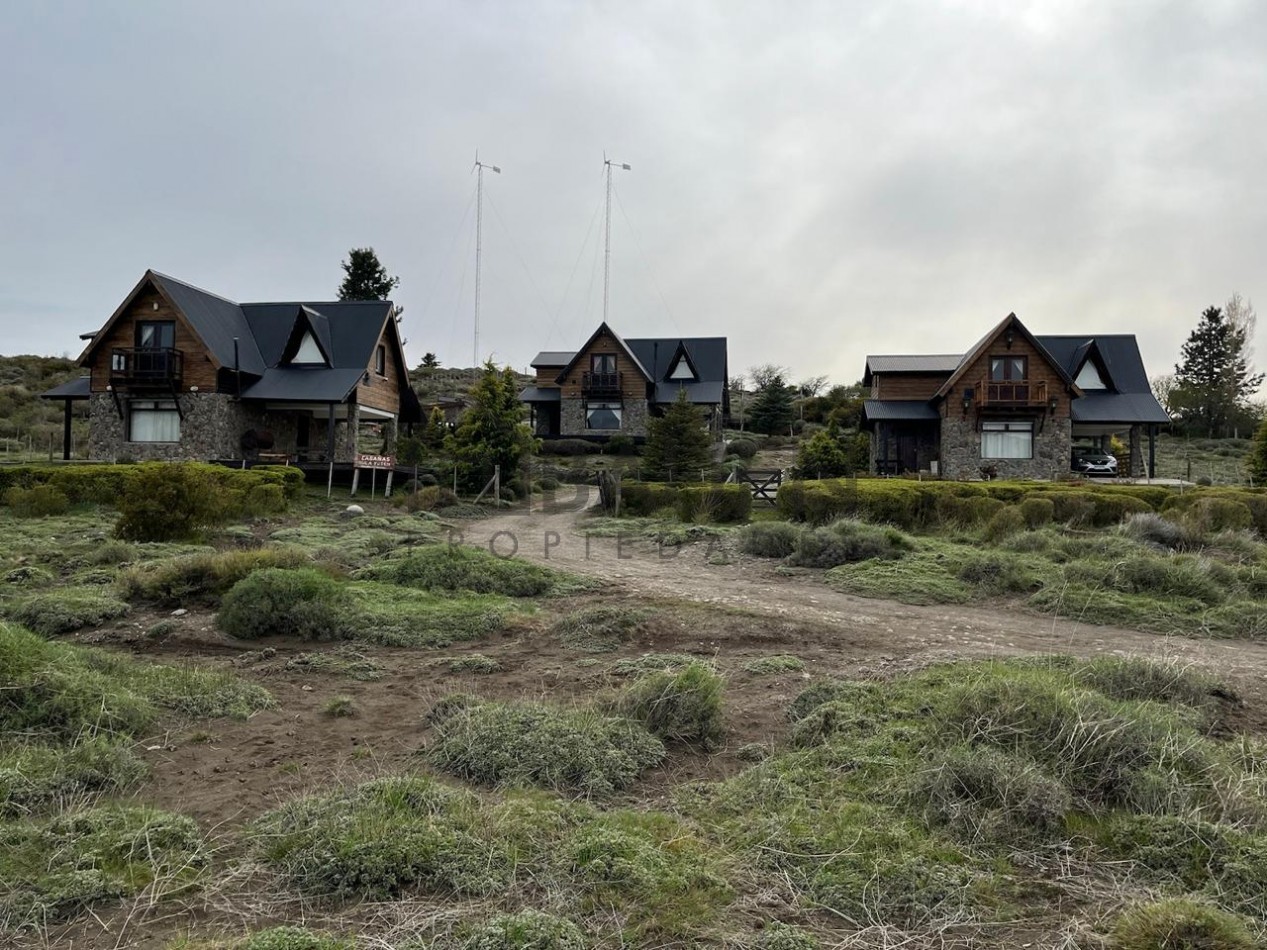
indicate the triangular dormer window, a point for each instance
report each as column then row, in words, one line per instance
column 1089, row 377
column 681, row 369
column 309, row 351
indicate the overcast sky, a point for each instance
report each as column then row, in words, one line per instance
column 814, row 181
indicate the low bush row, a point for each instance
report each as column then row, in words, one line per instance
column 710, row 502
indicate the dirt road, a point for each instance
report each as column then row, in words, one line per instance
column 704, row 573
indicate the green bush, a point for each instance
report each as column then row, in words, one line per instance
column 169, row 502
column 201, row 578
column 777, row 936
column 642, row 499
column 993, row 795
column 569, row 447
column 289, row 477
column 38, row 501
column 531, row 743
column 682, row 706
column 1156, row 529
column 67, row 610
column 294, row 938
column 599, row 629
column 526, row 930
column 36, row 775
column 1073, row 508
column 721, row 504
column 56, row 866
column 451, row 567
column 1037, row 512
column 1179, row 924
column 744, row 448
column 779, row 663
column 769, row 539
column 1003, row 523
column 998, row 573
column 847, row 541
column 274, row 602
column 823, row 456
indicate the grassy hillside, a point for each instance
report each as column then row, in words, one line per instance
column 28, row 423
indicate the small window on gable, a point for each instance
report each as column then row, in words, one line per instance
column 309, row 351
column 380, row 360
column 1089, row 377
column 681, row 369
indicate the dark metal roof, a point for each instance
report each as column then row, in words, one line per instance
column 353, row 328
column 551, row 358
column 78, row 388
column 541, row 394
column 898, row 410
column 897, row 363
column 304, row 384
column 1120, row 352
column 216, row 321
column 704, row 393
column 707, row 354
column 1118, row 407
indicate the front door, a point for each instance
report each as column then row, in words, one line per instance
column 302, row 435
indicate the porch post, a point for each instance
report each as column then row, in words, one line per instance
column 66, row 403
column 1152, row 451
column 330, row 435
column 1137, row 462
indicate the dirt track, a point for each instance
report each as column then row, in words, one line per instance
column 555, row 536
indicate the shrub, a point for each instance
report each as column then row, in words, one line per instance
column 967, row 511
column 620, row 445
column 474, row 663
column 652, row 663
column 1179, row 924
column 294, row 938
column 1111, row 509
column 1037, row 512
column 723, row 504
column 1213, row 514
column 1153, row 528
column 426, row 499
column 769, row 539
column 1074, row 508
column 766, row 665
column 684, row 706
column 38, row 501
column 452, row 567
column 384, row 838
column 846, row 541
column 169, row 502
column 28, row 575
column 1166, row 576
column 823, row 456
column 993, row 795
column 201, row 578
column 303, row 603
column 569, row 447
column 744, row 448
column 599, row 629
column 53, row 867
column 36, row 775
column 339, row 707
column 526, row 930
column 531, row 743
column 641, row 499
column 998, row 573
column 777, row 936
column 1003, row 523
column 67, row 610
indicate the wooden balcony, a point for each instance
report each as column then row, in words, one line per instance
column 1011, row 394
column 146, row 368
column 601, row 384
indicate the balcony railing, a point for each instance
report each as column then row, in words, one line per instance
column 1012, row 393
column 601, row 382
column 146, row 367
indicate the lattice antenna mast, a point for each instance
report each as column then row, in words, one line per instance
column 478, row 168
column 607, row 242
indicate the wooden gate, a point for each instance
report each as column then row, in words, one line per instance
column 764, row 485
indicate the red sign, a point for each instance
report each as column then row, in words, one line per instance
column 384, row 463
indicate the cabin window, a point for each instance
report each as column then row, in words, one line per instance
column 153, row 420
column 155, row 334
column 1007, row 440
column 603, row 363
column 380, row 360
column 602, row 415
column 1008, row 369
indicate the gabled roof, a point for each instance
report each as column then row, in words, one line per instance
column 707, row 357
column 604, row 328
column 353, row 327
column 308, row 323
column 551, row 358
column 1013, row 322
column 1131, row 397
column 874, row 410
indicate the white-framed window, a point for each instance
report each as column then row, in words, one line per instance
column 602, row 415
column 1007, row 440
column 380, row 360
column 153, row 420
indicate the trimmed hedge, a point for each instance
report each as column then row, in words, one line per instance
column 646, row 498
column 914, row 504
column 724, row 504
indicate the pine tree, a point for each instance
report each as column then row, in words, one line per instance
column 365, row 278
column 1213, row 378
column 492, row 431
column 1257, row 461
column 433, row 430
column 771, row 411
column 678, row 445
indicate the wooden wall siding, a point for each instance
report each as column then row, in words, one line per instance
column 1039, row 370
column 383, row 392
column 546, row 375
column 907, row 385
column 198, row 370
column 633, row 384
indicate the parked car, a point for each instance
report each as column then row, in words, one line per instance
column 1095, row 464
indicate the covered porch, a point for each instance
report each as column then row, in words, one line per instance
column 316, row 432
column 905, row 436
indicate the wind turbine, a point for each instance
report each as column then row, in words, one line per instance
column 479, row 167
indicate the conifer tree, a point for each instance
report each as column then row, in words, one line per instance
column 771, row 411
column 365, row 278
column 678, row 445
column 1213, row 378
column 492, row 431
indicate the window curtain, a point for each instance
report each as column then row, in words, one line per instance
column 1007, row 440
column 153, row 424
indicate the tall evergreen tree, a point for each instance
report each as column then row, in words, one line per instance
column 492, row 431
column 1213, row 378
column 771, row 411
column 678, row 444
column 365, row 278
column 1257, row 461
